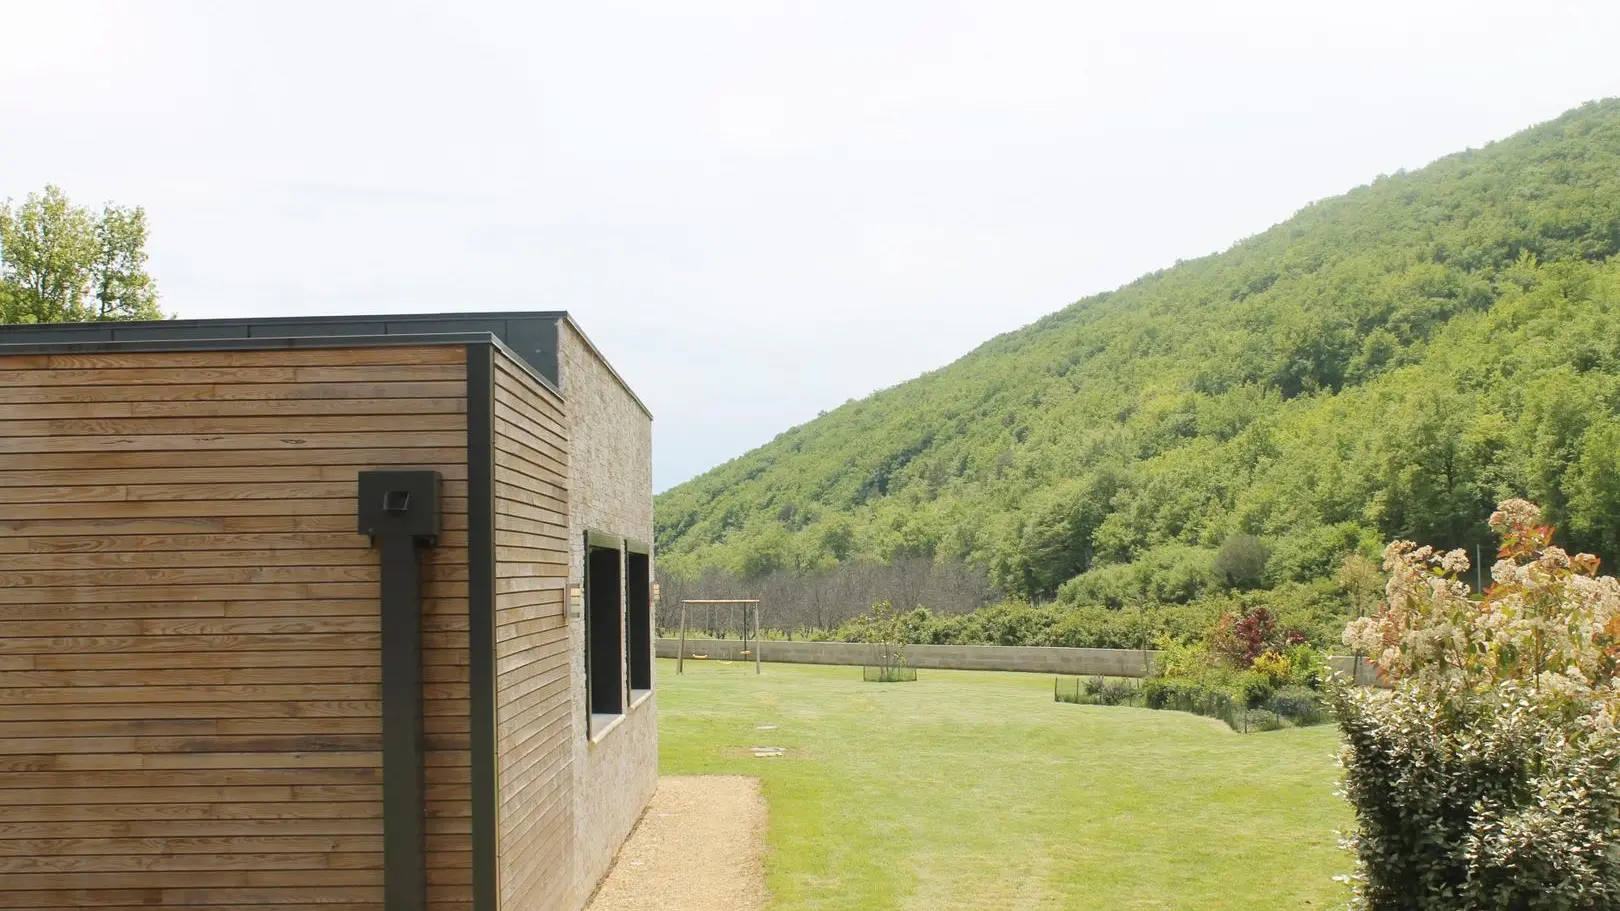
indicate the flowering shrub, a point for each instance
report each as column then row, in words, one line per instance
column 1246, row 671
column 1307, row 666
column 1103, row 691
column 1548, row 623
column 1274, row 667
column 1241, row 638
column 1490, row 777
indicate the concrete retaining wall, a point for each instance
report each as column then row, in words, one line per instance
column 1081, row 662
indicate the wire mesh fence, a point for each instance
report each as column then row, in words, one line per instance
column 1097, row 691
column 1291, row 707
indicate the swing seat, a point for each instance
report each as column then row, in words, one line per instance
column 697, row 657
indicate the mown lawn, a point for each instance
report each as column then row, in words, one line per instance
column 974, row 790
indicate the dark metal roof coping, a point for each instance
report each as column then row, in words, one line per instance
column 271, row 343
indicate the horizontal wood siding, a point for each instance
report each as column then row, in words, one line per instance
column 534, row 719
column 189, row 641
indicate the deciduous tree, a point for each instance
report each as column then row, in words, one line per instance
column 60, row 262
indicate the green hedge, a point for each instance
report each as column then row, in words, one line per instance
column 1093, row 625
column 1478, row 804
column 1255, row 706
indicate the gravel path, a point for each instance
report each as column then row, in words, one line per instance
column 700, row 847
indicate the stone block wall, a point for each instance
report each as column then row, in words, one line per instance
column 610, row 491
column 1081, row 662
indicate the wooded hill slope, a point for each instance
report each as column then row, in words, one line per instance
column 1387, row 363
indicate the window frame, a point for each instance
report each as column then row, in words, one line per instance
column 639, row 646
column 600, row 620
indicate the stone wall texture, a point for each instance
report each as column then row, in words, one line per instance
column 610, row 491
column 1083, row 662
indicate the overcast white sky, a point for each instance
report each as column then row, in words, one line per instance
column 758, row 210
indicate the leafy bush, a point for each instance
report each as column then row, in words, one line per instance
column 1242, row 701
column 1019, row 623
column 1301, row 705
column 1098, row 691
column 1316, row 553
column 1274, row 667
column 1118, row 692
column 1479, row 805
column 1157, row 692
column 1317, row 610
column 1169, row 574
column 1180, row 659
column 887, row 631
column 1095, row 626
column 1262, row 720
column 888, row 673
column 1185, row 695
column 1490, row 777
column 1307, row 666
column 1298, row 666
column 1240, row 638
column 1251, row 688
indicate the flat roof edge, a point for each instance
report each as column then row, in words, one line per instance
column 275, row 343
column 24, row 328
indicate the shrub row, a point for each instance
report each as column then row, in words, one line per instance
column 1317, row 613
column 1254, row 706
column 1268, row 710
column 1097, row 691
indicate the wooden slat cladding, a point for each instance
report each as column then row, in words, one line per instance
column 190, row 671
column 534, row 719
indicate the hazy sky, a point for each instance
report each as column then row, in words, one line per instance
column 758, row 210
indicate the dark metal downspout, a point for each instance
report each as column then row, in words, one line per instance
column 481, row 620
column 399, row 510
column 404, row 828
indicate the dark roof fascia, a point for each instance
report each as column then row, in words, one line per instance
column 272, row 320
column 516, row 328
column 277, row 344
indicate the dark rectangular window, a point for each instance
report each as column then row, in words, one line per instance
column 638, row 615
column 604, row 630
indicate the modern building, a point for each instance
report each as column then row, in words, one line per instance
column 348, row 613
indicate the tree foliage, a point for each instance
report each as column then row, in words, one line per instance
column 1241, row 561
column 1490, row 777
column 1385, row 364
column 60, row 262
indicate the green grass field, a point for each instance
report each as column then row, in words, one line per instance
column 973, row 790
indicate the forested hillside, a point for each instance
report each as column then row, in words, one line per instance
column 1387, row 363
